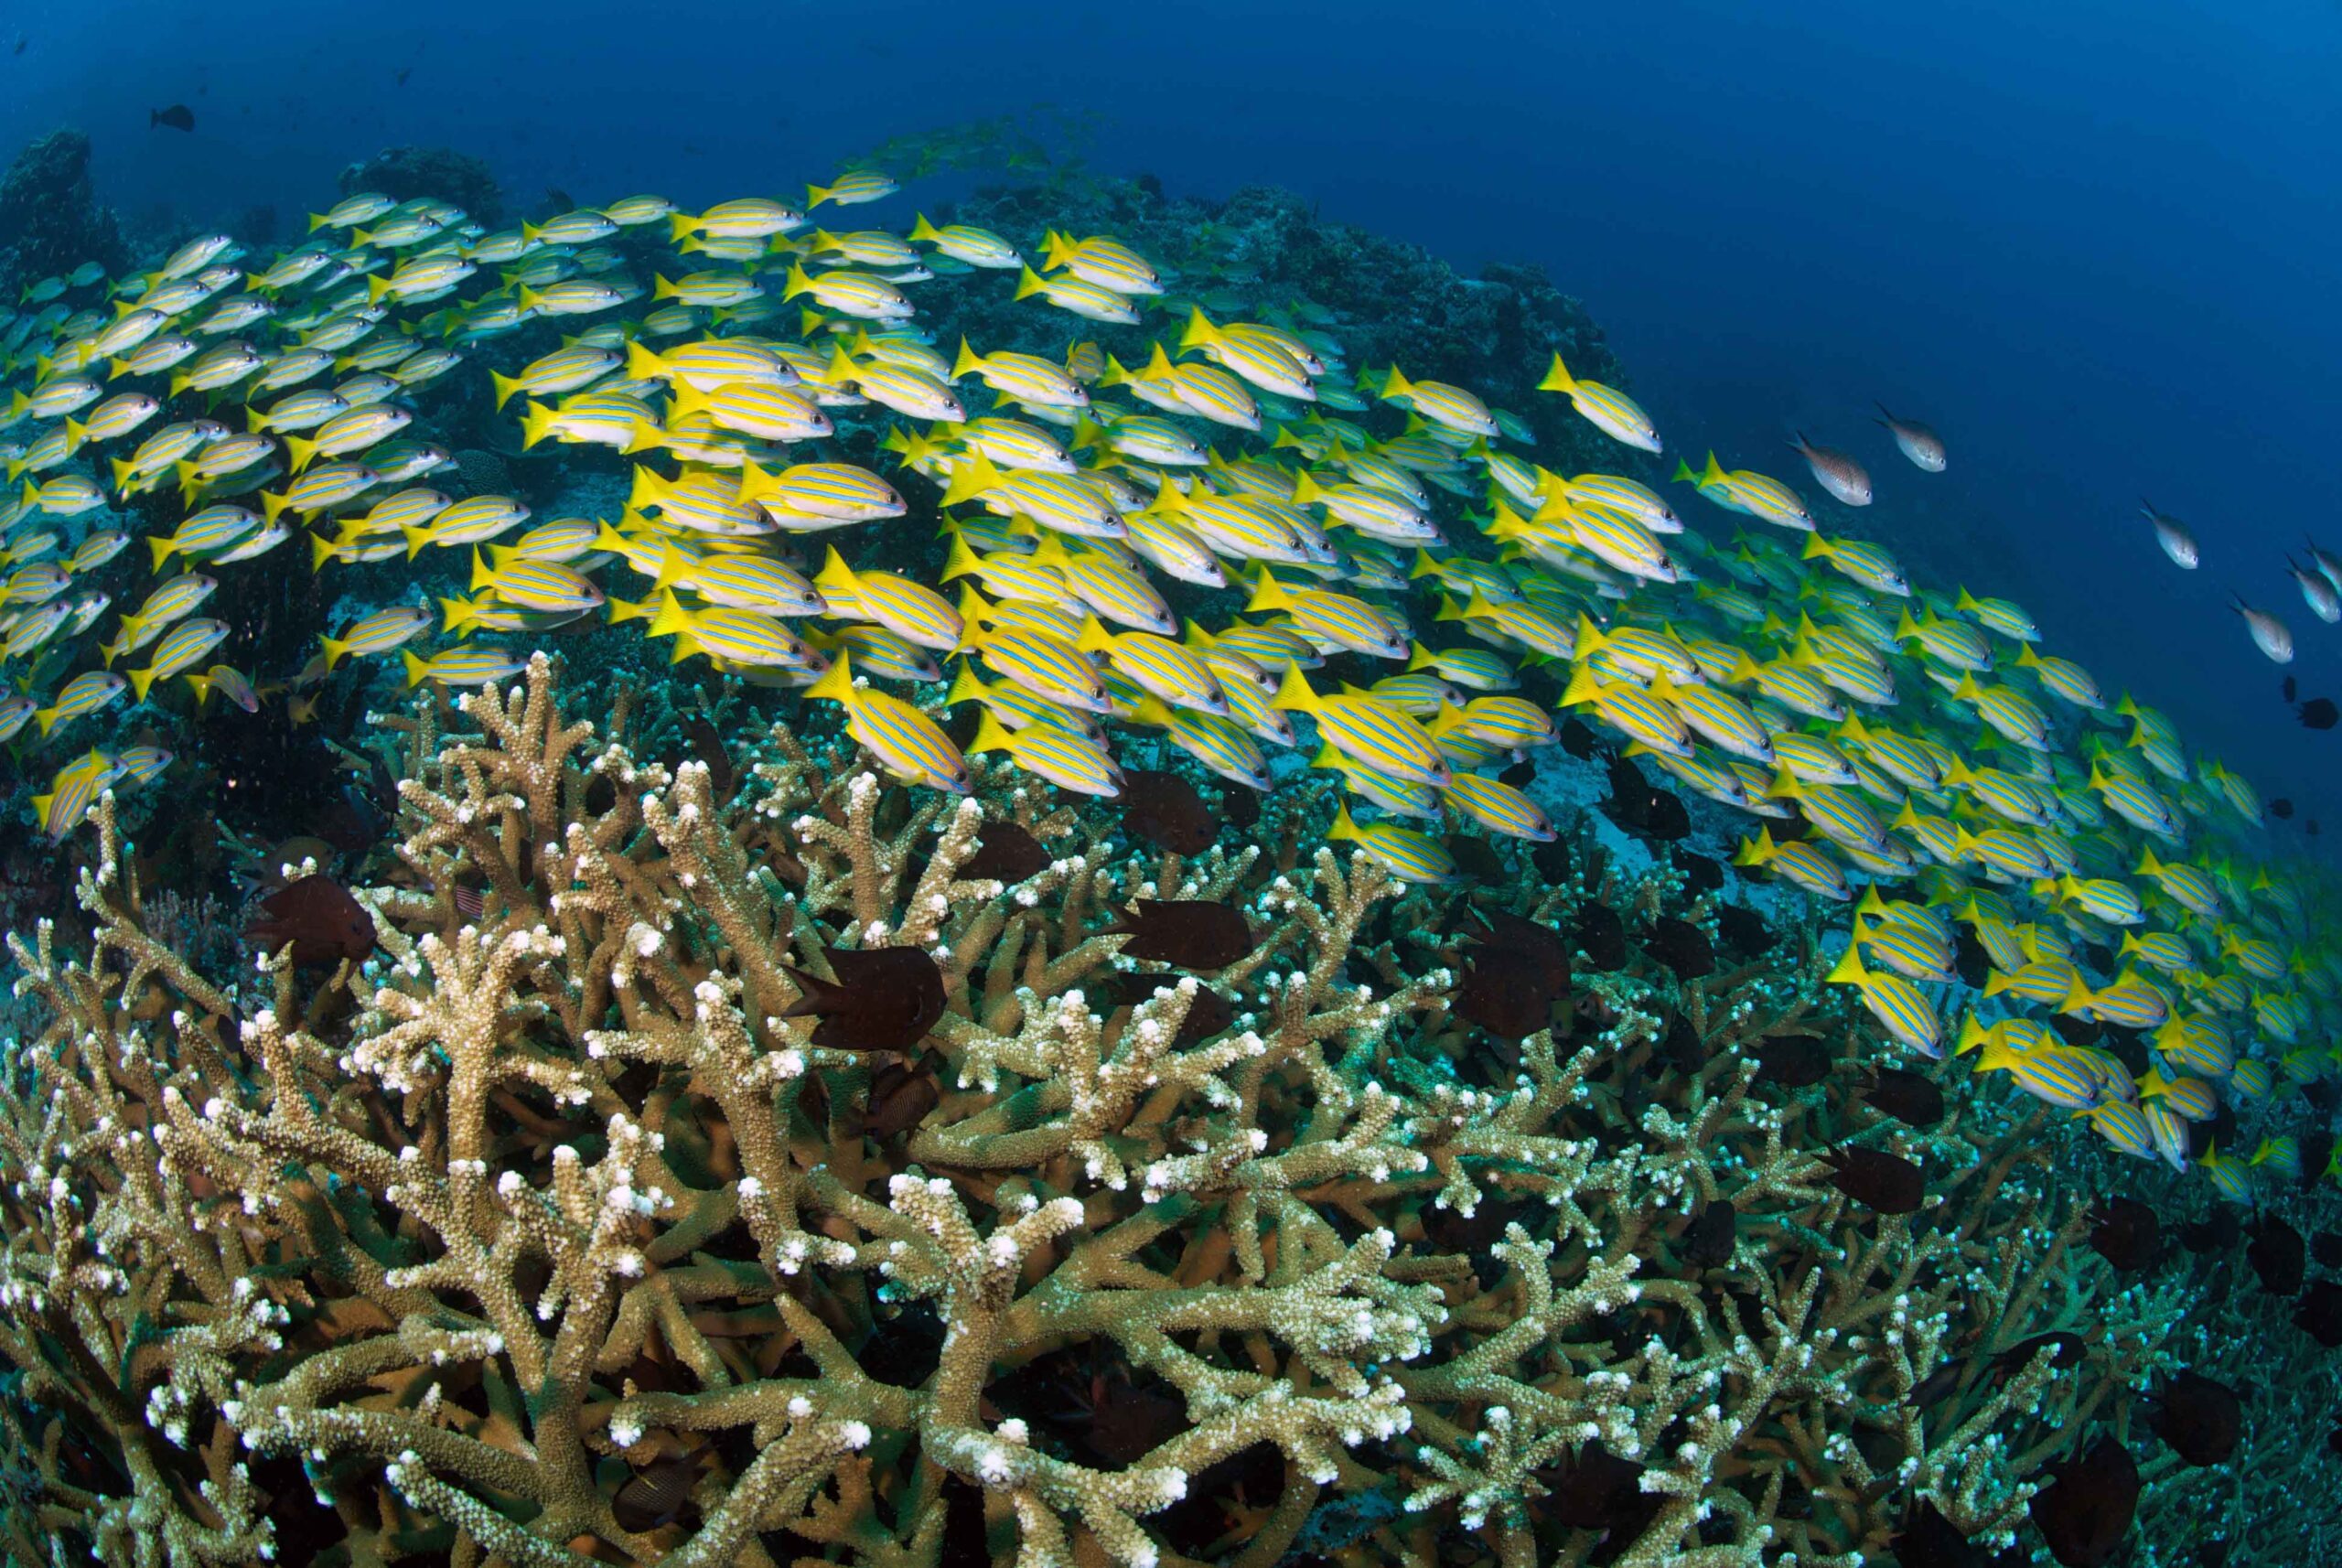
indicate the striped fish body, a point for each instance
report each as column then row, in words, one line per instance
column 910, row 609
column 1406, row 853
column 1498, row 807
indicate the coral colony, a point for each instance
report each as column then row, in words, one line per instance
column 571, row 1107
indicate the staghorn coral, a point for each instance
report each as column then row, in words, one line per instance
column 549, row 1236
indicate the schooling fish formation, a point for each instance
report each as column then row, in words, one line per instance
column 1913, row 753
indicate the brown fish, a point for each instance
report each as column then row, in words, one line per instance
column 2066, row 1352
column 657, row 1494
column 1601, row 936
column 1209, row 1014
column 1681, row 947
column 884, row 999
column 1930, row 1541
column 1004, row 852
column 1707, row 1240
column 1167, row 811
column 1742, row 930
column 2319, row 1316
column 2126, row 1233
column 2086, row 1508
column 1911, row 1097
column 1186, row 933
column 2278, row 1256
column 1501, row 995
column 1880, row 1182
column 901, row 1094
column 1835, row 471
column 2199, row 1418
column 319, row 918
column 1594, row 1489
column 1792, row 1061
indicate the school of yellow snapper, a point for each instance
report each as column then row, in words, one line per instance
column 1927, row 743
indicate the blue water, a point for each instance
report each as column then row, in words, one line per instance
column 2089, row 242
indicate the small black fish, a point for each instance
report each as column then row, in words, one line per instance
column 1937, row 1385
column 2086, row 1508
column 1707, row 1240
column 2286, row 686
column 1004, row 852
column 657, row 1494
column 1880, row 1182
column 178, row 117
column 1242, row 807
column 1911, row 1097
column 2309, row 826
column 1681, row 947
column 1517, row 973
column 1504, row 998
column 1702, row 874
column 1970, row 959
column 2199, row 1418
column 1680, row 1047
column 884, row 999
column 2066, row 1352
column 1579, row 740
column 2201, row 1235
column 1186, row 933
column 2281, row 808
column 1524, row 941
column 1520, row 774
column 2126, row 1233
column 1638, row 807
column 1742, row 930
column 1476, row 858
column 2319, row 713
column 1792, row 1061
column 901, row 1094
column 403, row 72
column 2277, row 1255
column 2316, row 1149
column 707, row 746
column 319, row 918
column 1551, row 859
column 2319, row 1316
column 1601, row 936
column 2326, row 1247
column 1927, row 1540
column 1594, row 1490
column 1209, row 1014
column 1167, row 811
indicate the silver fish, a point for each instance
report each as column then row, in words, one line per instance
column 1836, row 472
column 2326, row 561
column 1921, row 444
column 2173, row 535
column 2318, row 592
column 2269, row 634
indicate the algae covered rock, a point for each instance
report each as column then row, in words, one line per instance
column 404, row 173
column 51, row 221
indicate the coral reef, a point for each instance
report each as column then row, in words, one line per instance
column 51, row 221
column 404, row 173
column 558, row 1232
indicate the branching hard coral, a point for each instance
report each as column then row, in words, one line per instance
column 549, row 1234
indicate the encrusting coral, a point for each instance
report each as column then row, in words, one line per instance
column 551, row 1235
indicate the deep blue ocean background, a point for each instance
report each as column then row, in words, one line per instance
column 2091, row 242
